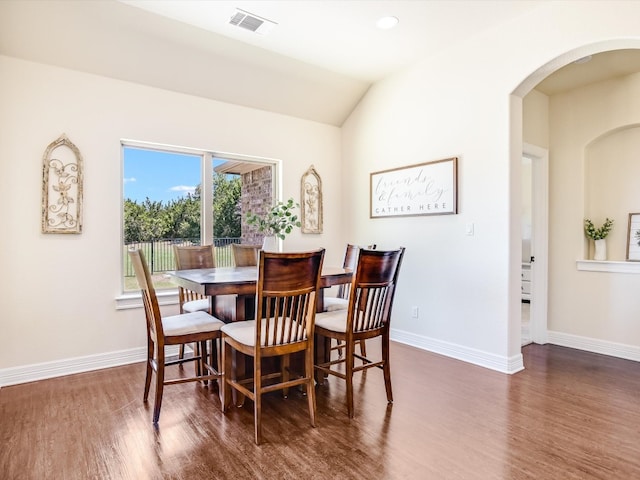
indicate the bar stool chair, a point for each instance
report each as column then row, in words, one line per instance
column 188, row 257
column 286, row 295
column 369, row 315
column 195, row 327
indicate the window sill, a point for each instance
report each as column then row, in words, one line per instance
column 608, row 266
column 134, row 300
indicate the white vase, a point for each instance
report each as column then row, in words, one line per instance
column 601, row 249
column 270, row 243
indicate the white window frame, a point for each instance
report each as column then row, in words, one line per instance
column 126, row 300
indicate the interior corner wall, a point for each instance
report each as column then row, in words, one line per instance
column 466, row 287
column 58, row 291
column 535, row 119
column 593, row 168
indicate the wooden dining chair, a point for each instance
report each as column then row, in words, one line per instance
column 188, row 257
column 194, row 327
column 341, row 300
column 286, row 294
column 373, row 288
column 245, row 255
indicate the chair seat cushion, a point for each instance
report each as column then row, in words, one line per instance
column 196, row 306
column 335, row 321
column 331, row 304
column 244, row 332
column 186, row 323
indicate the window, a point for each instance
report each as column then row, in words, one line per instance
column 185, row 197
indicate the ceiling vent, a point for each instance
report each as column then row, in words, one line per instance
column 251, row 22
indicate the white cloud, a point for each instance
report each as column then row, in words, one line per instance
column 183, row 189
column 129, row 180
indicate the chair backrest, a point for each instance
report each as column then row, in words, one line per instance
column 151, row 308
column 245, row 255
column 188, row 257
column 350, row 261
column 286, row 295
column 373, row 288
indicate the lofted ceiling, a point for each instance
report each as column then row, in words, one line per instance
column 316, row 62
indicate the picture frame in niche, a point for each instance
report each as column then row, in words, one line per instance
column 311, row 200
column 428, row 188
column 633, row 238
column 62, row 180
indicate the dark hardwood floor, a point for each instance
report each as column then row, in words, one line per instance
column 569, row 415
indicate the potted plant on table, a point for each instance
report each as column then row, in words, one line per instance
column 598, row 235
column 277, row 222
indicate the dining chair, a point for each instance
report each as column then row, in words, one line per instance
column 245, row 255
column 194, row 327
column 188, row 257
column 373, row 288
column 341, row 300
column 286, row 295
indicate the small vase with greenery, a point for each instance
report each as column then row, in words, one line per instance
column 597, row 233
column 279, row 220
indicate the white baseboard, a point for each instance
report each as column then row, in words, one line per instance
column 69, row 366
column 471, row 355
column 41, row 371
column 594, row 345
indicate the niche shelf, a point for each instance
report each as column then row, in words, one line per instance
column 608, row 266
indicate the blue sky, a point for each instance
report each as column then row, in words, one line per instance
column 159, row 175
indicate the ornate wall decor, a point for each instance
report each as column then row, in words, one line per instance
column 62, row 187
column 311, row 200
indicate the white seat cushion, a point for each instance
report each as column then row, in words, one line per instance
column 196, row 306
column 335, row 321
column 331, row 304
column 196, row 322
column 244, row 332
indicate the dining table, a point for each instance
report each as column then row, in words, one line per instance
column 232, row 289
column 232, row 292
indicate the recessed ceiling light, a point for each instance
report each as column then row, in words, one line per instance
column 385, row 23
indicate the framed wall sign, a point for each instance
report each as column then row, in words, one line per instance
column 633, row 238
column 424, row 189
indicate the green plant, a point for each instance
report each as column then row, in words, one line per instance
column 597, row 233
column 280, row 220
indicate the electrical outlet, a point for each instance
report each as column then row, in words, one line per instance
column 414, row 312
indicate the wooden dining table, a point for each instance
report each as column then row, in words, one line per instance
column 232, row 292
column 240, row 283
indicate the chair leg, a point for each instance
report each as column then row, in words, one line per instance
column 386, row 368
column 159, row 388
column 226, row 375
column 349, row 361
column 363, row 348
column 285, row 362
column 147, row 378
column 181, row 353
column 257, row 399
column 311, row 391
column 197, row 352
column 202, row 369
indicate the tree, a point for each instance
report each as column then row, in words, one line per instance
column 151, row 220
column 227, row 190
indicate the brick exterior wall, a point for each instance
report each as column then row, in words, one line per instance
column 256, row 197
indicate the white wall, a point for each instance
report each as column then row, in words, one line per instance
column 459, row 103
column 594, row 170
column 464, row 102
column 58, row 291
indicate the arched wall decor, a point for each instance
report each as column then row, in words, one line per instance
column 62, row 187
column 311, row 200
